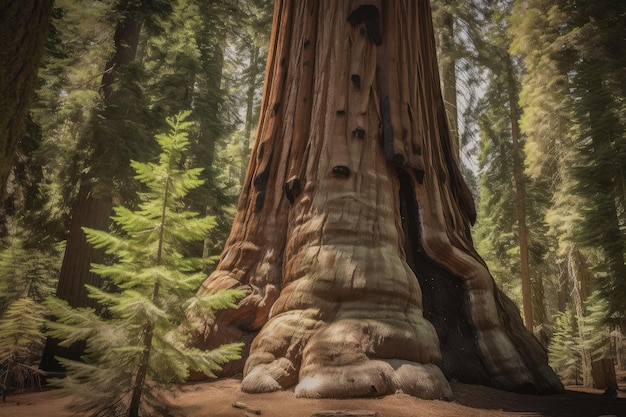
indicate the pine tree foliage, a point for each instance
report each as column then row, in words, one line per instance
column 599, row 336
column 21, row 341
column 136, row 345
column 496, row 228
column 547, row 116
column 564, row 351
column 197, row 63
column 68, row 95
column 571, row 98
column 574, row 338
column 26, row 279
column 12, row 274
column 511, row 230
column 547, row 123
column 457, row 25
column 243, row 78
column 25, row 272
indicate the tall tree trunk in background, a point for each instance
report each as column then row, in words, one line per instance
column 580, row 277
column 23, row 29
column 352, row 236
column 212, row 61
column 94, row 201
column 595, row 372
column 253, row 74
column 448, row 77
column 600, row 172
column 520, row 201
column 208, row 99
column 602, row 138
column 563, row 289
column 93, row 204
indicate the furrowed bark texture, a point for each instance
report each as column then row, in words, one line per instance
column 352, row 234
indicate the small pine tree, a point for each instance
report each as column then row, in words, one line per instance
column 564, row 350
column 599, row 328
column 25, row 281
column 139, row 346
column 15, row 278
column 21, row 342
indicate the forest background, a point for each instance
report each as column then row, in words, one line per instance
column 536, row 94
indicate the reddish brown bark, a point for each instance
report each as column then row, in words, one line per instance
column 352, row 234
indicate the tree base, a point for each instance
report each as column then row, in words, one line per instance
column 367, row 378
column 374, row 378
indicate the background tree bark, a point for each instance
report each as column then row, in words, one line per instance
column 448, row 75
column 520, row 199
column 94, row 202
column 23, row 29
column 352, row 235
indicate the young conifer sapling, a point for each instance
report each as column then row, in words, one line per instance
column 135, row 344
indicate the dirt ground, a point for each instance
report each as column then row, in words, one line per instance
column 215, row 399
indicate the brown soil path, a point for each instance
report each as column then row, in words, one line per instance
column 215, row 399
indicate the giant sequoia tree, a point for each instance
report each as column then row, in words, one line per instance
column 352, row 236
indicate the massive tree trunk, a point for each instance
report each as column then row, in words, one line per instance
column 352, row 235
column 23, row 30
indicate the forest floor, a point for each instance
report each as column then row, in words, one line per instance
column 216, row 398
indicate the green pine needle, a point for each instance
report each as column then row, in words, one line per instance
column 155, row 284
